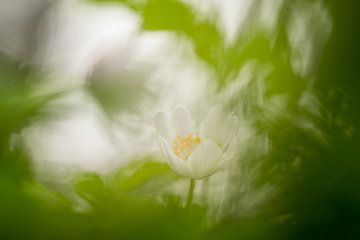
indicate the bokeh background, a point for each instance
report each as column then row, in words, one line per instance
column 82, row 80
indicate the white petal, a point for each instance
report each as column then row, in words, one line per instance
column 163, row 126
column 182, row 121
column 230, row 151
column 203, row 161
column 219, row 126
column 231, row 128
column 176, row 163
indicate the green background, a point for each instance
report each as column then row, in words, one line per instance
column 317, row 197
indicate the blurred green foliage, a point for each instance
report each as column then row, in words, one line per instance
column 316, row 177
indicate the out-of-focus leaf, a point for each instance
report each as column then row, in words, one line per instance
column 142, row 175
column 46, row 198
column 93, row 189
column 137, row 177
column 117, row 95
column 168, row 15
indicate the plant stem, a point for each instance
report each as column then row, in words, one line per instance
column 191, row 192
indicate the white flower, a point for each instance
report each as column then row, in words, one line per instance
column 197, row 152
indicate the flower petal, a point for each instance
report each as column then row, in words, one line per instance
column 163, row 126
column 231, row 128
column 219, row 126
column 182, row 121
column 176, row 163
column 230, row 151
column 203, row 161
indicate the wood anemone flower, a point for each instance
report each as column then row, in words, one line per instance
column 197, row 152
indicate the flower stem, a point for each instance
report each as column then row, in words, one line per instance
column 191, row 192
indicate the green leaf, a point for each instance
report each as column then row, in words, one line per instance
column 168, row 15
column 92, row 188
column 142, row 175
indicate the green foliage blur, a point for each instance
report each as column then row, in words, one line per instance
column 317, row 177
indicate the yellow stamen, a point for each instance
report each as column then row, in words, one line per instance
column 185, row 145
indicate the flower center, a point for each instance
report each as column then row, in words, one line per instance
column 184, row 146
